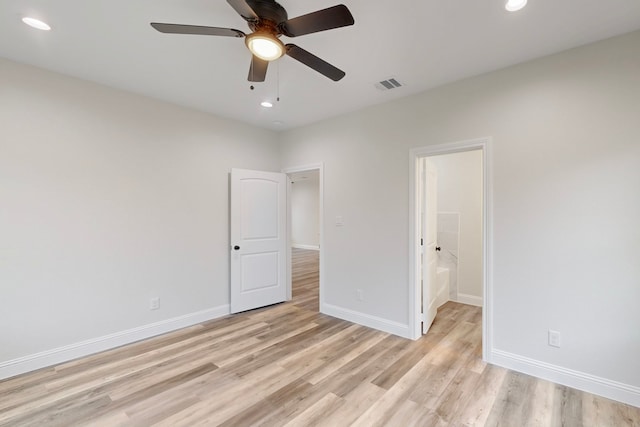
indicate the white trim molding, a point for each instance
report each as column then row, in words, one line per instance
column 368, row 320
column 485, row 145
column 469, row 299
column 579, row 380
column 63, row 354
column 309, row 247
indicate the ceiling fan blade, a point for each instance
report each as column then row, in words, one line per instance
column 257, row 69
column 321, row 20
column 243, row 9
column 314, row 62
column 196, row 29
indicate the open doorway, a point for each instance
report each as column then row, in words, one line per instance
column 450, row 232
column 304, row 223
column 458, row 226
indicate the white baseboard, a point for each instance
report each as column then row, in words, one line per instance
column 579, row 380
column 310, row 247
column 73, row 351
column 469, row 299
column 374, row 322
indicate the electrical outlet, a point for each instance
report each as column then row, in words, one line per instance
column 360, row 294
column 554, row 338
column 154, row 303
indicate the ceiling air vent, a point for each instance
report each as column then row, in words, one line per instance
column 390, row 83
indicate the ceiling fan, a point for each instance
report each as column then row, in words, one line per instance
column 268, row 20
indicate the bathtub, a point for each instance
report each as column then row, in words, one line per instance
column 442, row 279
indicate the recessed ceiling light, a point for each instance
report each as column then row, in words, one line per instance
column 266, row 104
column 36, row 23
column 514, row 5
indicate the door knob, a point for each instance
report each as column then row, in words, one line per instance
column 237, row 248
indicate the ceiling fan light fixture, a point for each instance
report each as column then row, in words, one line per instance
column 515, row 5
column 265, row 46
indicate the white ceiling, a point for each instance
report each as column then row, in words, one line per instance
column 423, row 43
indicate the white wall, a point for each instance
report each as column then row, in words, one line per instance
column 460, row 191
column 108, row 199
column 305, row 211
column 566, row 205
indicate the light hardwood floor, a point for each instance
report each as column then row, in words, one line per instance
column 288, row 365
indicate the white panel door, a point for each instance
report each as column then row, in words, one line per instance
column 258, row 239
column 430, row 236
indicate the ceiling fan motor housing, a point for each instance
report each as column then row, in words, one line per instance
column 267, row 10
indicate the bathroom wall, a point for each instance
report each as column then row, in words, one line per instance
column 460, row 223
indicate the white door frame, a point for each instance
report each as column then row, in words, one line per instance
column 294, row 169
column 483, row 144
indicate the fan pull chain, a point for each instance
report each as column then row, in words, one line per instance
column 251, row 70
column 278, row 84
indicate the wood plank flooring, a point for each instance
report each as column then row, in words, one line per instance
column 305, row 266
column 288, row 365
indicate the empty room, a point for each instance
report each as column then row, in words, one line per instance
column 246, row 213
